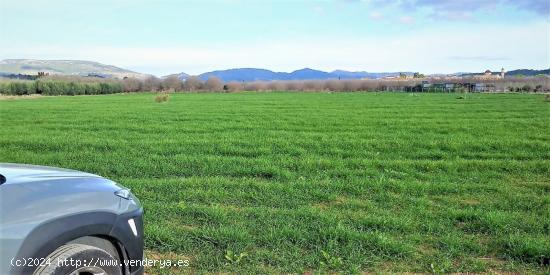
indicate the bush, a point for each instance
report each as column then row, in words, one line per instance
column 162, row 98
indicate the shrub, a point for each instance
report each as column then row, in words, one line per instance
column 163, row 97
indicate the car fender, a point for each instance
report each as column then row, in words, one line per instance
column 47, row 237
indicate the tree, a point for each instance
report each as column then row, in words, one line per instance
column 172, row 83
column 214, row 84
column 334, row 85
column 233, row 86
column 192, row 83
column 418, row 75
column 276, row 86
column 130, row 84
column 151, row 84
column 256, row 86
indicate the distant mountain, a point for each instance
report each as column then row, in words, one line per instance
column 254, row 74
column 527, row 72
column 243, row 74
column 182, row 76
column 64, row 67
column 308, row 73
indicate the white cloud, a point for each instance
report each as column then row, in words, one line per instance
column 375, row 15
column 406, row 20
column 463, row 9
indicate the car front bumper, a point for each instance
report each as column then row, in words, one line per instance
column 130, row 238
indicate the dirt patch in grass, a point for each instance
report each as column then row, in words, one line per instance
column 167, row 263
column 470, row 202
column 188, row 227
column 492, row 260
column 426, row 249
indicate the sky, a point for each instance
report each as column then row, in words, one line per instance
column 168, row 36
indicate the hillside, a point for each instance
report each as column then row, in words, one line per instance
column 64, row 67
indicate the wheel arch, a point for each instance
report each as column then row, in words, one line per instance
column 47, row 237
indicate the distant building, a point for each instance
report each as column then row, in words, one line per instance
column 488, row 75
column 390, row 77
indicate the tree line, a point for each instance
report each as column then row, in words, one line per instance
column 74, row 85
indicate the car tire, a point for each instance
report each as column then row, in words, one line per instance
column 93, row 260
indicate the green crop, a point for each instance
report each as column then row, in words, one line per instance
column 312, row 182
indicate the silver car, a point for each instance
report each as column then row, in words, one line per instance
column 61, row 221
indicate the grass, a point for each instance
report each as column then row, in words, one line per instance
column 313, row 182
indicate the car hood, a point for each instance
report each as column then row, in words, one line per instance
column 15, row 173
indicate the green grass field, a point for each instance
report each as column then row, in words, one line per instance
column 312, row 182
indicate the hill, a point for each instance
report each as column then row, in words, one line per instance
column 64, row 67
column 243, row 74
column 528, row 72
column 256, row 74
column 519, row 72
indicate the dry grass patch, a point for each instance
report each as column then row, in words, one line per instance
column 163, row 97
column 470, row 202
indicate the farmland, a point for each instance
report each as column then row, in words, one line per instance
column 305, row 182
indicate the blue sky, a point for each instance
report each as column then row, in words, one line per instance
column 162, row 37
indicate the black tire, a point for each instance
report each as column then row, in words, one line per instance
column 93, row 260
column 99, row 243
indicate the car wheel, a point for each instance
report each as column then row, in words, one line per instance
column 93, row 261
